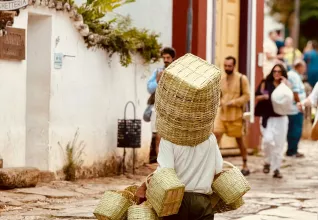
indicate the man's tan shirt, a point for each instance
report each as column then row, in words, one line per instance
column 230, row 91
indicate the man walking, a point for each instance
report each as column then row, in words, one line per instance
column 234, row 96
column 168, row 54
column 296, row 117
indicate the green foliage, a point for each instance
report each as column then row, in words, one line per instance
column 308, row 16
column 118, row 35
column 73, row 157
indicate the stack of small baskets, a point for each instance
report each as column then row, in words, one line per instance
column 164, row 197
column 187, row 99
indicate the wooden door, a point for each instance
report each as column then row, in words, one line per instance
column 227, row 41
column 227, row 30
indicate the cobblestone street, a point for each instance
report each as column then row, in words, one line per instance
column 294, row 197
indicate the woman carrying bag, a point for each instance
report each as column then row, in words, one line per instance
column 274, row 126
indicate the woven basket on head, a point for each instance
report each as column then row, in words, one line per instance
column 142, row 212
column 231, row 184
column 165, row 192
column 187, row 99
column 114, row 205
column 219, row 206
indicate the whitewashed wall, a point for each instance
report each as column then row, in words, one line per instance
column 89, row 92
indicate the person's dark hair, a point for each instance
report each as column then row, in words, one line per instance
column 270, row 77
column 231, row 58
column 169, row 50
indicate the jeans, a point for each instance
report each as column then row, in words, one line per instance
column 295, row 128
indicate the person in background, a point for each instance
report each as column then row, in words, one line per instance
column 308, row 47
column 168, row 55
column 270, row 53
column 279, row 41
column 296, row 118
column 289, row 53
column 274, row 127
column 234, row 96
column 311, row 58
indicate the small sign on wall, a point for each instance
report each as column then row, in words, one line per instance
column 58, row 60
column 12, row 5
column 12, row 45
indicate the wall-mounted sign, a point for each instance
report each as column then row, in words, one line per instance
column 12, row 45
column 58, row 60
column 12, row 5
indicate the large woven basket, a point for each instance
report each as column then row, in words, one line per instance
column 219, row 206
column 142, row 212
column 165, row 192
column 231, row 184
column 114, row 205
column 187, row 99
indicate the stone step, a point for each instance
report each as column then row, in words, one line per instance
column 18, row 177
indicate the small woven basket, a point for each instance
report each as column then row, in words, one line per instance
column 133, row 189
column 165, row 192
column 231, row 184
column 187, row 99
column 142, row 212
column 220, row 206
column 114, row 205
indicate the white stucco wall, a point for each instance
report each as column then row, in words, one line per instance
column 89, row 93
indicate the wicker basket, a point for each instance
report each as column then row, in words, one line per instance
column 133, row 189
column 231, row 184
column 114, row 205
column 187, row 99
column 142, row 212
column 220, row 206
column 165, row 192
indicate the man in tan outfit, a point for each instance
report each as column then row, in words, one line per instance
column 234, row 96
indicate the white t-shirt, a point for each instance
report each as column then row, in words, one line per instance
column 195, row 166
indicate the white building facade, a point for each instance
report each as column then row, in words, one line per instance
column 43, row 106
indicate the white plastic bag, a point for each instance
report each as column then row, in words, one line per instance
column 282, row 99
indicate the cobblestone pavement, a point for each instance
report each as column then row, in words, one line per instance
column 294, row 197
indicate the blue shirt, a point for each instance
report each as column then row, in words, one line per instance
column 297, row 87
column 152, row 82
column 311, row 58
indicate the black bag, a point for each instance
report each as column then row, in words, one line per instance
column 129, row 131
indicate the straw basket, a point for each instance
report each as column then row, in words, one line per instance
column 165, row 192
column 142, row 212
column 133, row 189
column 114, row 205
column 219, row 206
column 231, row 184
column 187, row 99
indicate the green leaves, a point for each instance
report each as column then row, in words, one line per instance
column 117, row 35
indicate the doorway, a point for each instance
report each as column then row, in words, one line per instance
column 38, row 83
